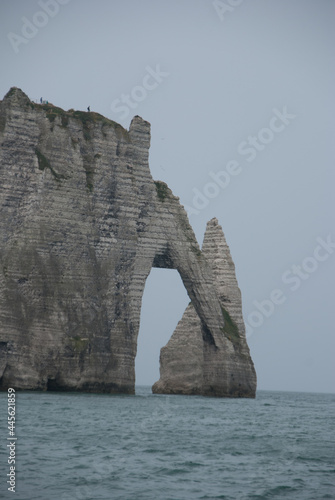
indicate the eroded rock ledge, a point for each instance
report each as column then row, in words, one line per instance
column 82, row 223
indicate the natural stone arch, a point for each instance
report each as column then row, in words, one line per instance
column 186, row 357
column 163, row 303
column 82, row 223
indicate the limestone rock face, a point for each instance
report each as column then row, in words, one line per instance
column 81, row 225
column 188, row 365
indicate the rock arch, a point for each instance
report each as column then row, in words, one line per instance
column 82, row 223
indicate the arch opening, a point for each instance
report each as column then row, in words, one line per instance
column 163, row 304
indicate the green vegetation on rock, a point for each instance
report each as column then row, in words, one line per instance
column 88, row 119
column 79, row 344
column 89, row 180
column 162, row 190
column 230, row 328
column 196, row 250
column 44, row 163
column 10, row 92
column 2, row 122
column 53, row 112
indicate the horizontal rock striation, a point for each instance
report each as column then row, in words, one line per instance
column 188, row 365
column 82, row 223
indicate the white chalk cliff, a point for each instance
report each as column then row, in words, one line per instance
column 81, row 225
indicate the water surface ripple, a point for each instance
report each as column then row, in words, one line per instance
column 155, row 447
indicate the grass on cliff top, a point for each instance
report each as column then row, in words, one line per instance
column 53, row 111
column 87, row 118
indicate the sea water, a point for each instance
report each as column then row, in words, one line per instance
column 73, row 446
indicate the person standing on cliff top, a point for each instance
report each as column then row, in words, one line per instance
column 88, row 108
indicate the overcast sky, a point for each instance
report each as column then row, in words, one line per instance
column 240, row 97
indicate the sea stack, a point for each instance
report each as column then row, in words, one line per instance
column 189, row 364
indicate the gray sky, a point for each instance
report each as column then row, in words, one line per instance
column 240, row 98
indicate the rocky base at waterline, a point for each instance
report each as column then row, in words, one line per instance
column 81, row 225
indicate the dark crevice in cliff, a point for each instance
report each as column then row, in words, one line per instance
column 230, row 328
column 44, row 163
